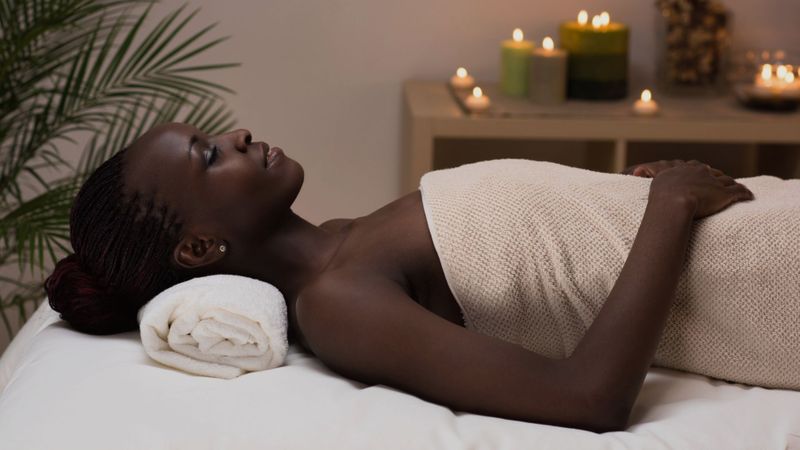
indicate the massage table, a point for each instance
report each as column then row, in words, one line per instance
column 63, row 389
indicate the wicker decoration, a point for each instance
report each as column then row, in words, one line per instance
column 695, row 40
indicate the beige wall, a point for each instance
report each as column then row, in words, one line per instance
column 322, row 78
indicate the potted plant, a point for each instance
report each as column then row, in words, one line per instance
column 93, row 74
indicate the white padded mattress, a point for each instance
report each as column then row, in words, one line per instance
column 62, row 389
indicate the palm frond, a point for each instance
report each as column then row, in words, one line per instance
column 85, row 67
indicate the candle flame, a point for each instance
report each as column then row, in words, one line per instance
column 477, row 92
column 461, row 72
column 789, row 77
column 766, row 72
column 596, row 22
column 583, row 17
column 647, row 95
column 781, row 71
column 547, row 43
column 605, row 18
column 517, row 35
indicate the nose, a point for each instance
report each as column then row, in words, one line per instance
column 242, row 138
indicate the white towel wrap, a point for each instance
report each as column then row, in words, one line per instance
column 219, row 325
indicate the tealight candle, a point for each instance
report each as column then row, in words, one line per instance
column 781, row 72
column 477, row 102
column 775, row 88
column 598, row 57
column 782, row 81
column 462, row 79
column 514, row 57
column 548, row 74
column 645, row 106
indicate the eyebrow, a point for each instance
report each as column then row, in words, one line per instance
column 192, row 140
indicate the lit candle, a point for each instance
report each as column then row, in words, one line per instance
column 598, row 57
column 766, row 75
column 605, row 19
column 645, row 106
column 548, row 74
column 775, row 87
column 781, row 72
column 514, row 65
column 583, row 18
column 775, row 81
column 462, row 80
column 477, row 102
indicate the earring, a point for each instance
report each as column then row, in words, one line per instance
column 222, row 248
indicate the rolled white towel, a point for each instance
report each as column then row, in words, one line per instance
column 218, row 325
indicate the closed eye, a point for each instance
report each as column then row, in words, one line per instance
column 211, row 154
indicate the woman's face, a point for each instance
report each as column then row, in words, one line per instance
column 216, row 184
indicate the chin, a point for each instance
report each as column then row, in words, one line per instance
column 296, row 177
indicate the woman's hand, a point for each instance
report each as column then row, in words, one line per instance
column 706, row 190
column 651, row 169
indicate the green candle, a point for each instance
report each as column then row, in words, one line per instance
column 515, row 54
column 598, row 57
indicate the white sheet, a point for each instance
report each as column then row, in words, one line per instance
column 62, row 389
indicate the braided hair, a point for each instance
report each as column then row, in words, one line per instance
column 122, row 246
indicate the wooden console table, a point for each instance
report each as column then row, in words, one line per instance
column 435, row 120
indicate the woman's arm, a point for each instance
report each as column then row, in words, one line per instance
column 618, row 347
column 368, row 329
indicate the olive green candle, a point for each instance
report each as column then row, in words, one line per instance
column 598, row 58
column 514, row 61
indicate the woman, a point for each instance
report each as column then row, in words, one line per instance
column 368, row 296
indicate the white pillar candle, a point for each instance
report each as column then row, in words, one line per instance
column 477, row 102
column 548, row 74
column 645, row 106
column 462, row 79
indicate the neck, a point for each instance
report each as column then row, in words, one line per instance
column 292, row 254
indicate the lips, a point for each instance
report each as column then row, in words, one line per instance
column 271, row 155
column 274, row 156
column 265, row 152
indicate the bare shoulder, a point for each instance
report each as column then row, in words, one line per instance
column 335, row 224
column 342, row 309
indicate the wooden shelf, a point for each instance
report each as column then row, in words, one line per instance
column 596, row 135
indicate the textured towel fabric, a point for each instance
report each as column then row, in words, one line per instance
column 531, row 250
column 219, row 326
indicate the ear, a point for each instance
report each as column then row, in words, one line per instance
column 197, row 250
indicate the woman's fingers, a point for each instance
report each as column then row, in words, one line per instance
column 740, row 191
column 642, row 171
column 726, row 180
column 715, row 172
